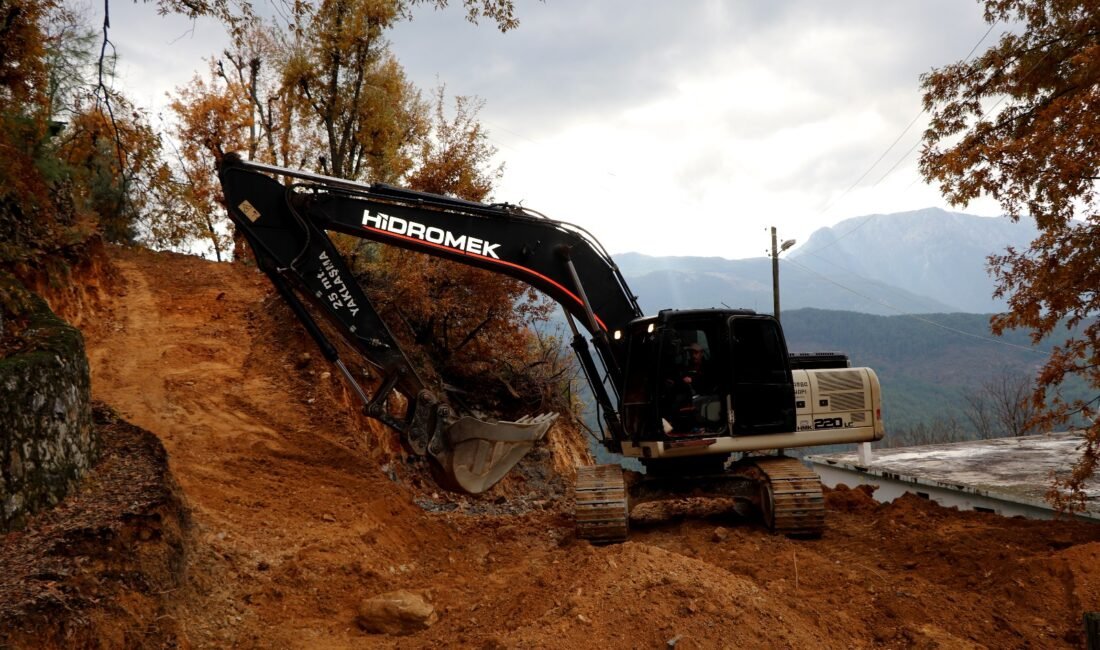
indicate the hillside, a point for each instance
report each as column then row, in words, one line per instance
column 299, row 511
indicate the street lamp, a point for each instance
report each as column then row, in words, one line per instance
column 775, row 269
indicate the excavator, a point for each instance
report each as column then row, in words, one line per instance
column 706, row 400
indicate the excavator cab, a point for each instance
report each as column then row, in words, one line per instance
column 702, row 373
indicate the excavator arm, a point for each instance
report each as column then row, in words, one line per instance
column 286, row 226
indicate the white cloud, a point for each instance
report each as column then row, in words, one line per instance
column 157, row 54
column 666, row 128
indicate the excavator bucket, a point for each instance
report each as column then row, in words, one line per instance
column 480, row 453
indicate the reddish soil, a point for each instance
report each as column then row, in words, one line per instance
column 298, row 511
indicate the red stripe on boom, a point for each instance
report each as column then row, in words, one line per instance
column 422, row 242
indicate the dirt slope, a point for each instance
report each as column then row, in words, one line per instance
column 299, row 514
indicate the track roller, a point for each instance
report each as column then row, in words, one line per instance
column 790, row 497
column 602, row 510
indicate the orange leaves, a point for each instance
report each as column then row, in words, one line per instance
column 24, row 105
column 455, row 157
column 240, row 107
column 1039, row 85
column 212, row 122
column 116, row 163
column 325, row 92
column 59, row 173
column 471, row 324
column 23, row 68
column 349, row 96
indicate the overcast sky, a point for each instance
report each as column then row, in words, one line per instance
column 667, row 128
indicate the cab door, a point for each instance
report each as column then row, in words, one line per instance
column 763, row 390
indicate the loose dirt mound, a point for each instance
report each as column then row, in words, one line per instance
column 95, row 569
column 301, row 511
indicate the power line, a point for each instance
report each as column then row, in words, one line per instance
column 874, row 164
column 882, row 156
column 816, row 252
column 895, row 165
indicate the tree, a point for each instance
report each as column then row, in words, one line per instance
column 253, row 74
column 937, row 431
column 454, row 156
column 472, row 323
column 62, row 159
column 69, row 61
column 236, row 15
column 1020, row 123
column 116, row 167
column 213, row 119
column 324, row 92
column 352, row 92
column 24, row 110
column 1001, row 406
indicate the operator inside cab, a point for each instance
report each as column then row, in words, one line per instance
column 691, row 405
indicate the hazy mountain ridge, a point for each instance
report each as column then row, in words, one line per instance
column 715, row 282
column 930, row 252
column 924, row 261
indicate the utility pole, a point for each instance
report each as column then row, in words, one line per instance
column 776, row 250
column 775, row 277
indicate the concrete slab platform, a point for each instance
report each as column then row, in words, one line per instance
column 1009, row 476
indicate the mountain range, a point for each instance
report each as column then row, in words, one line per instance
column 924, row 261
column 907, row 294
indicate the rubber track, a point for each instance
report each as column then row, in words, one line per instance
column 799, row 505
column 601, row 504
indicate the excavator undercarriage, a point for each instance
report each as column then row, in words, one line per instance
column 785, row 493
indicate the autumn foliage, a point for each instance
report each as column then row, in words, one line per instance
column 77, row 158
column 472, row 323
column 25, row 227
column 1021, row 123
column 116, row 168
column 324, row 93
